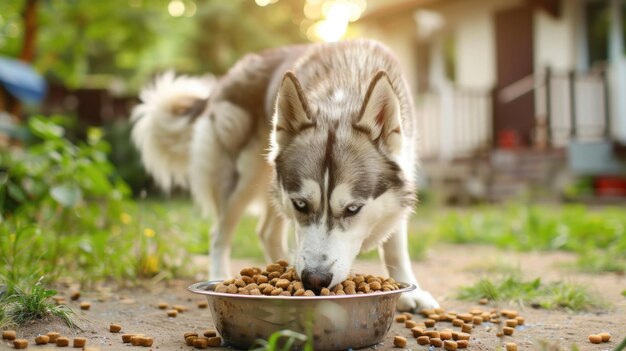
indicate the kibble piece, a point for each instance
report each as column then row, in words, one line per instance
column 605, row 337
column 190, row 340
column 511, row 323
column 247, row 272
column 462, row 344
column 466, row 317
column 42, row 339
column 201, row 343
column 209, row 333
column 595, row 339
column 417, row 332
column 115, row 328
column 450, row 345
column 146, row 341
column 180, row 308
column 455, row 335
column 457, row 322
column 463, row 336
column 477, row 320
column 399, row 341
column 9, row 334
column 520, row 320
column 432, row 334
column 20, row 343
column 511, row 346
column 164, row 305
column 436, row 342
column 410, row 324
column 309, row 293
column 401, row 318
column 423, row 340
column 509, row 313
column 429, row 322
column 325, row 292
column 53, row 336
column 75, row 295
column 172, row 313
column 445, row 335
column 126, row 337
column 274, row 267
column 135, row 340
column 63, row 341
column 203, row 304
column 499, row 333
column 508, row 330
column 483, row 301
column 214, row 341
column 231, row 289
column 79, row 342
column 466, row 328
column 85, row 305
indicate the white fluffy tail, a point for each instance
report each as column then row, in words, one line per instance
column 163, row 125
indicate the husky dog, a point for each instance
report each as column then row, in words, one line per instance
column 338, row 122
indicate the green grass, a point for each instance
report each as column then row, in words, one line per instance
column 283, row 341
column 596, row 235
column 514, row 289
column 20, row 307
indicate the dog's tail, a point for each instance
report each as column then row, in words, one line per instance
column 163, row 125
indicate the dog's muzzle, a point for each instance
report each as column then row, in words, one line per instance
column 315, row 281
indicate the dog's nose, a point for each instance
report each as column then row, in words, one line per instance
column 315, row 281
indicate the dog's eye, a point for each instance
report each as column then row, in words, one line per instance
column 300, row 206
column 352, row 210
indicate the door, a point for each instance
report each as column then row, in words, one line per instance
column 514, row 121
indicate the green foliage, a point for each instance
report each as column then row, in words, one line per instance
column 66, row 212
column 512, row 288
column 587, row 232
column 20, row 306
column 86, row 42
column 283, row 341
column 621, row 346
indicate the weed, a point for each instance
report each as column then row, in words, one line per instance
column 621, row 346
column 283, row 340
column 550, row 296
column 22, row 306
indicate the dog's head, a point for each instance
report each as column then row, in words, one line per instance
column 338, row 175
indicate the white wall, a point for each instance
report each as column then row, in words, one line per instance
column 555, row 38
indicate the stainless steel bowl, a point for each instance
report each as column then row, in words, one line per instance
column 336, row 322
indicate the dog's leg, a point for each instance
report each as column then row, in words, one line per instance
column 395, row 255
column 272, row 231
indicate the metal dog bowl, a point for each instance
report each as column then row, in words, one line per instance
column 337, row 322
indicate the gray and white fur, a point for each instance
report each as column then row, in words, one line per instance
column 338, row 122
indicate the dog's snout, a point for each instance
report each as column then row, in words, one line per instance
column 315, row 281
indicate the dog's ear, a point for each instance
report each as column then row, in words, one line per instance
column 380, row 114
column 292, row 110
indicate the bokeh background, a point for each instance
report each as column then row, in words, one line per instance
column 521, row 106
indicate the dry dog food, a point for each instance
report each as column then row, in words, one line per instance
column 80, row 342
column 215, row 341
column 85, row 305
column 115, row 328
column 126, row 337
column 209, row 333
column 145, row 341
column 423, row 340
column 9, row 334
column 417, row 332
column 511, row 323
column 399, row 341
column 62, row 341
column 53, row 337
column 462, row 344
column 436, row 342
column 20, row 343
column 75, row 295
column 201, row 343
column 450, row 345
column 162, row 305
column 203, row 304
column 42, row 339
column 507, row 330
column 466, row 328
column 511, row 346
column 595, row 339
column 172, row 313
column 605, row 337
column 277, row 279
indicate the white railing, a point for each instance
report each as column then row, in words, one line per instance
column 453, row 123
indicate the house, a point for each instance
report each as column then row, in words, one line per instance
column 522, row 83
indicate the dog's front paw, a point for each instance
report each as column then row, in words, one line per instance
column 416, row 300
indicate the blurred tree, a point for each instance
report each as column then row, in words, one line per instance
column 77, row 42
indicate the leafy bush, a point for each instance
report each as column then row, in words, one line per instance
column 66, row 211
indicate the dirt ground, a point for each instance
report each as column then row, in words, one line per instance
column 446, row 268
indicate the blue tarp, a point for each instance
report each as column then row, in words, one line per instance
column 21, row 80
